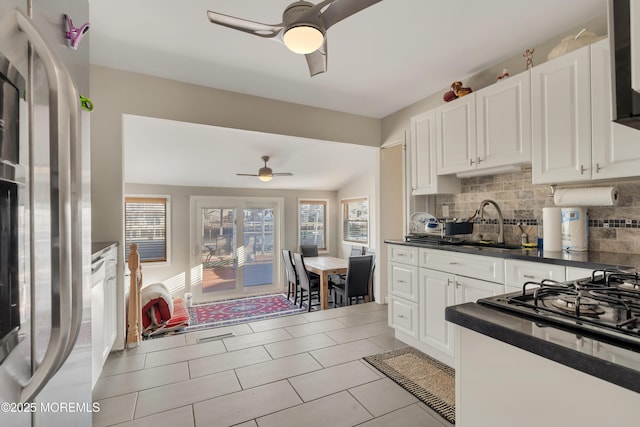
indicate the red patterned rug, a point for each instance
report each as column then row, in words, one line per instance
column 223, row 313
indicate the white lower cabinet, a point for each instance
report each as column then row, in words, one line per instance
column 403, row 316
column 421, row 290
column 436, row 293
column 423, row 282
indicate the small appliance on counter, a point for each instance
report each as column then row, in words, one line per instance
column 425, row 228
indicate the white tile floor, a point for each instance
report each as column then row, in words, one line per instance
column 301, row 370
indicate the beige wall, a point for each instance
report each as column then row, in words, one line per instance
column 115, row 93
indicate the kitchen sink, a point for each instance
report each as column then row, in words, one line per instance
column 491, row 244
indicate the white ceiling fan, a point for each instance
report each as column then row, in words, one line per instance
column 265, row 173
column 303, row 28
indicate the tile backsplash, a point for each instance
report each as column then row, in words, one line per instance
column 611, row 229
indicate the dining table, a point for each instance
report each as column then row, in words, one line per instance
column 325, row 266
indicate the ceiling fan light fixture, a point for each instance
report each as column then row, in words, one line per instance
column 303, row 38
column 265, row 174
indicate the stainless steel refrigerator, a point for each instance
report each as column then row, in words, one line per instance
column 45, row 218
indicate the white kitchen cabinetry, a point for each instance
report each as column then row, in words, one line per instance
column 456, row 135
column 615, row 148
column 574, row 273
column 103, row 308
column 504, row 122
column 561, row 118
column 425, row 282
column 403, row 316
column 437, row 292
column 519, row 272
column 487, row 129
column 403, row 290
column 424, row 177
column 573, row 133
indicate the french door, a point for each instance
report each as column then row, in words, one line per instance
column 236, row 246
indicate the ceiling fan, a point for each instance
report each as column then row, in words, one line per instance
column 265, row 173
column 303, row 28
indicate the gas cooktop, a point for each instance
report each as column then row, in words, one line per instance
column 605, row 306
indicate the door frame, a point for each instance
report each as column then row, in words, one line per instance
column 197, row 203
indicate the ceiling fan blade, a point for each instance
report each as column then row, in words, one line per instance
column 251, row 27
column 341, row 9
column 246, row 174
column 317, row 61
column 282, row 174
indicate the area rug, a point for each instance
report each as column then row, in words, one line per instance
column 426, row 378
column 229, row 312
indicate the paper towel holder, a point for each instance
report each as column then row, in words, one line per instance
column 553, row 189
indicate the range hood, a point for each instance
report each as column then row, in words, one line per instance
column 624, row 34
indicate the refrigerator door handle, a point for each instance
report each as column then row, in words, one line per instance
column 62, row 285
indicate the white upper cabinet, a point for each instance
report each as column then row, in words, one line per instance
column 561, row 118
column 486, row 129
column 456, row 135
column 565, row 150
column 424, row 179
column 504, row 122
column 615, row 148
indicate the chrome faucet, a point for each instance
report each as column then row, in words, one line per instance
column 480, row 213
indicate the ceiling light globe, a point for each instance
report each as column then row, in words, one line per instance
column 265, row 178
column 303, row 39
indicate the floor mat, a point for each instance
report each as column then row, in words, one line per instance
column 223, row 313
column 426, row 378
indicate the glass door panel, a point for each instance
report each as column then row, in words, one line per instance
column 258, row 251
column 219, row 261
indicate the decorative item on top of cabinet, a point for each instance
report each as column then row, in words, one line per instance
column 424, row 177
column 528, row 56
column 571, row 43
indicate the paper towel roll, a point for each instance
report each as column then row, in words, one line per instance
column 575, row 229
column 552, row 229
column 598, row 196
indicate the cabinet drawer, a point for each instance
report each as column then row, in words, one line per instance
column 403, row 280
column 403, row 316
column 574, row 273
column 519, row 272
column 403, row 254
column 478, row 266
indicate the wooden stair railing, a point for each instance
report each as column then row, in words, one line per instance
column 134, row 328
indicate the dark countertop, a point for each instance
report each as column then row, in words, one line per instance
column 590, row 260
column 521, row 332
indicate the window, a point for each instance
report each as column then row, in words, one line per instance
column 312, row 220
column 145, row 223
column 355, row 220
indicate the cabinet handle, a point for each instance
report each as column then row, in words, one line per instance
column 471, row 162
column 583, row 169
column 598, row 167
column 401, row 281
column 448, row 282
column 479, row 160
column 401, row 316
column 529, row 276
column 453, row 263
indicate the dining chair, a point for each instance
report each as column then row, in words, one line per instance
column 306, row 283
column 371, row 251
column 357, row 250
column 292, row 278
column 356, row 284
column 309, row 250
